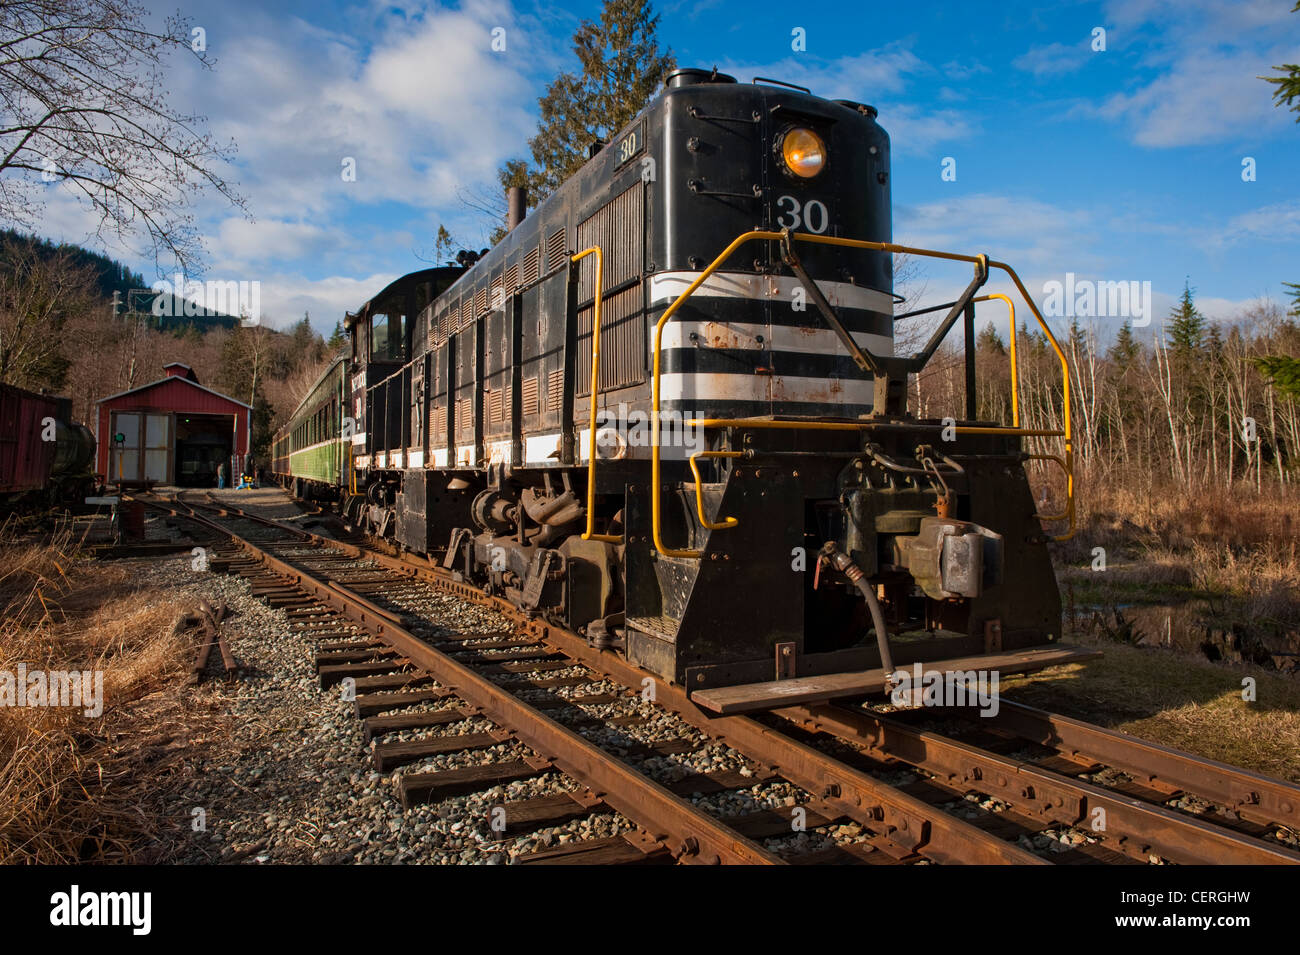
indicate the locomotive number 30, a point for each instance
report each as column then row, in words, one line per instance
column 811, row 214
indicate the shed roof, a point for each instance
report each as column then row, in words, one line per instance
column 175, row 378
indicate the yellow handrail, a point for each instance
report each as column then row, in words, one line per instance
column 590, row 534
column 1015, row 386
column 699, row 489
column 656, row 489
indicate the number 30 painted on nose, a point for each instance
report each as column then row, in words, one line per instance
column 812, row 214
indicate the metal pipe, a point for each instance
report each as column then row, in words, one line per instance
column 846, row 565
column 699, row 489
column 1015, row 374
column 516, row 206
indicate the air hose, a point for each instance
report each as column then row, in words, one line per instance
column 845, row 564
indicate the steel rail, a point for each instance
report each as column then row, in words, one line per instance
column 907, row 821
column 692, row 835
column 941, row 837
column 1258, row 798
column 1137, row 827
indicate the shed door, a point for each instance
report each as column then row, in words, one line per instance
column 146, row 447
column 157, row 447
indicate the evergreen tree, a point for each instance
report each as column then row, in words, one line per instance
column 1126, row 347
column 337, row 338
column 621, row 67
column 1295, row 298
column 1185, row 326
column 1288, row 84
column 990, row 341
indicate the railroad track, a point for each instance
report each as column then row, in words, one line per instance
column 979, row 791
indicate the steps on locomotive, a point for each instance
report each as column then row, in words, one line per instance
column 773, row 694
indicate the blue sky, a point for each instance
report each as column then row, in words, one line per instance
column 1122, row 164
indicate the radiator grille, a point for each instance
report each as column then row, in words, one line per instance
column 619, row 229
column 481, row 302
column 622, row 342
column 512, row 279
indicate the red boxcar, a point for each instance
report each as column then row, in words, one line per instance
column 25, row 459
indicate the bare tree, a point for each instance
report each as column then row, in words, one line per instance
column 83, row 103
column 38, row 294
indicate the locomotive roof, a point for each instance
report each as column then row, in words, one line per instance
column 411, row 278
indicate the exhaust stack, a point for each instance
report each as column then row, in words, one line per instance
column 516, row 206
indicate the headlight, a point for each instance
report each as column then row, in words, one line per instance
column 803, row 151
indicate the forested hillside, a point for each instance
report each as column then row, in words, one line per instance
column 59, row 333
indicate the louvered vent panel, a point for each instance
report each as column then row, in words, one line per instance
column 555, row 250
column 555, row 390
column 465, row 418
column 532, row 266
column 512, row 279
column 622, row 342
column 529, row 397
column 481, row 302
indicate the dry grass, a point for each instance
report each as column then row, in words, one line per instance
column 1178, row 700
column 1174, row 544
column 68, row 782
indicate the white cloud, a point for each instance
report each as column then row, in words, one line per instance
column 285, row 297
column 1206, row 98
column 1055, row 58
column 1279, row 222
column 1198, row 64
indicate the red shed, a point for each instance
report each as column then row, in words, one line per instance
column 174, row 431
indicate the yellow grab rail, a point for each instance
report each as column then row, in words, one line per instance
column 1015, row 381
column 590, row 534
column 699, row 488
column 656, row 487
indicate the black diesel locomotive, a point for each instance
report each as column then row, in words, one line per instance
column 760, row 500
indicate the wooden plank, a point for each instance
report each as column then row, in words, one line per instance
column 391, row 681
column 417, row 788
column 612, row 851
column 555, row 682
column 351, row 645
column 329, row 675
column 533, row 653
column 542, row 812
column 372, row 704
column 771, row 823
column 535, row 666
column 334, row 657
column 391, row 755
column 462, row 645
column 705, row 784
column 774, row 694
column 396, row 722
